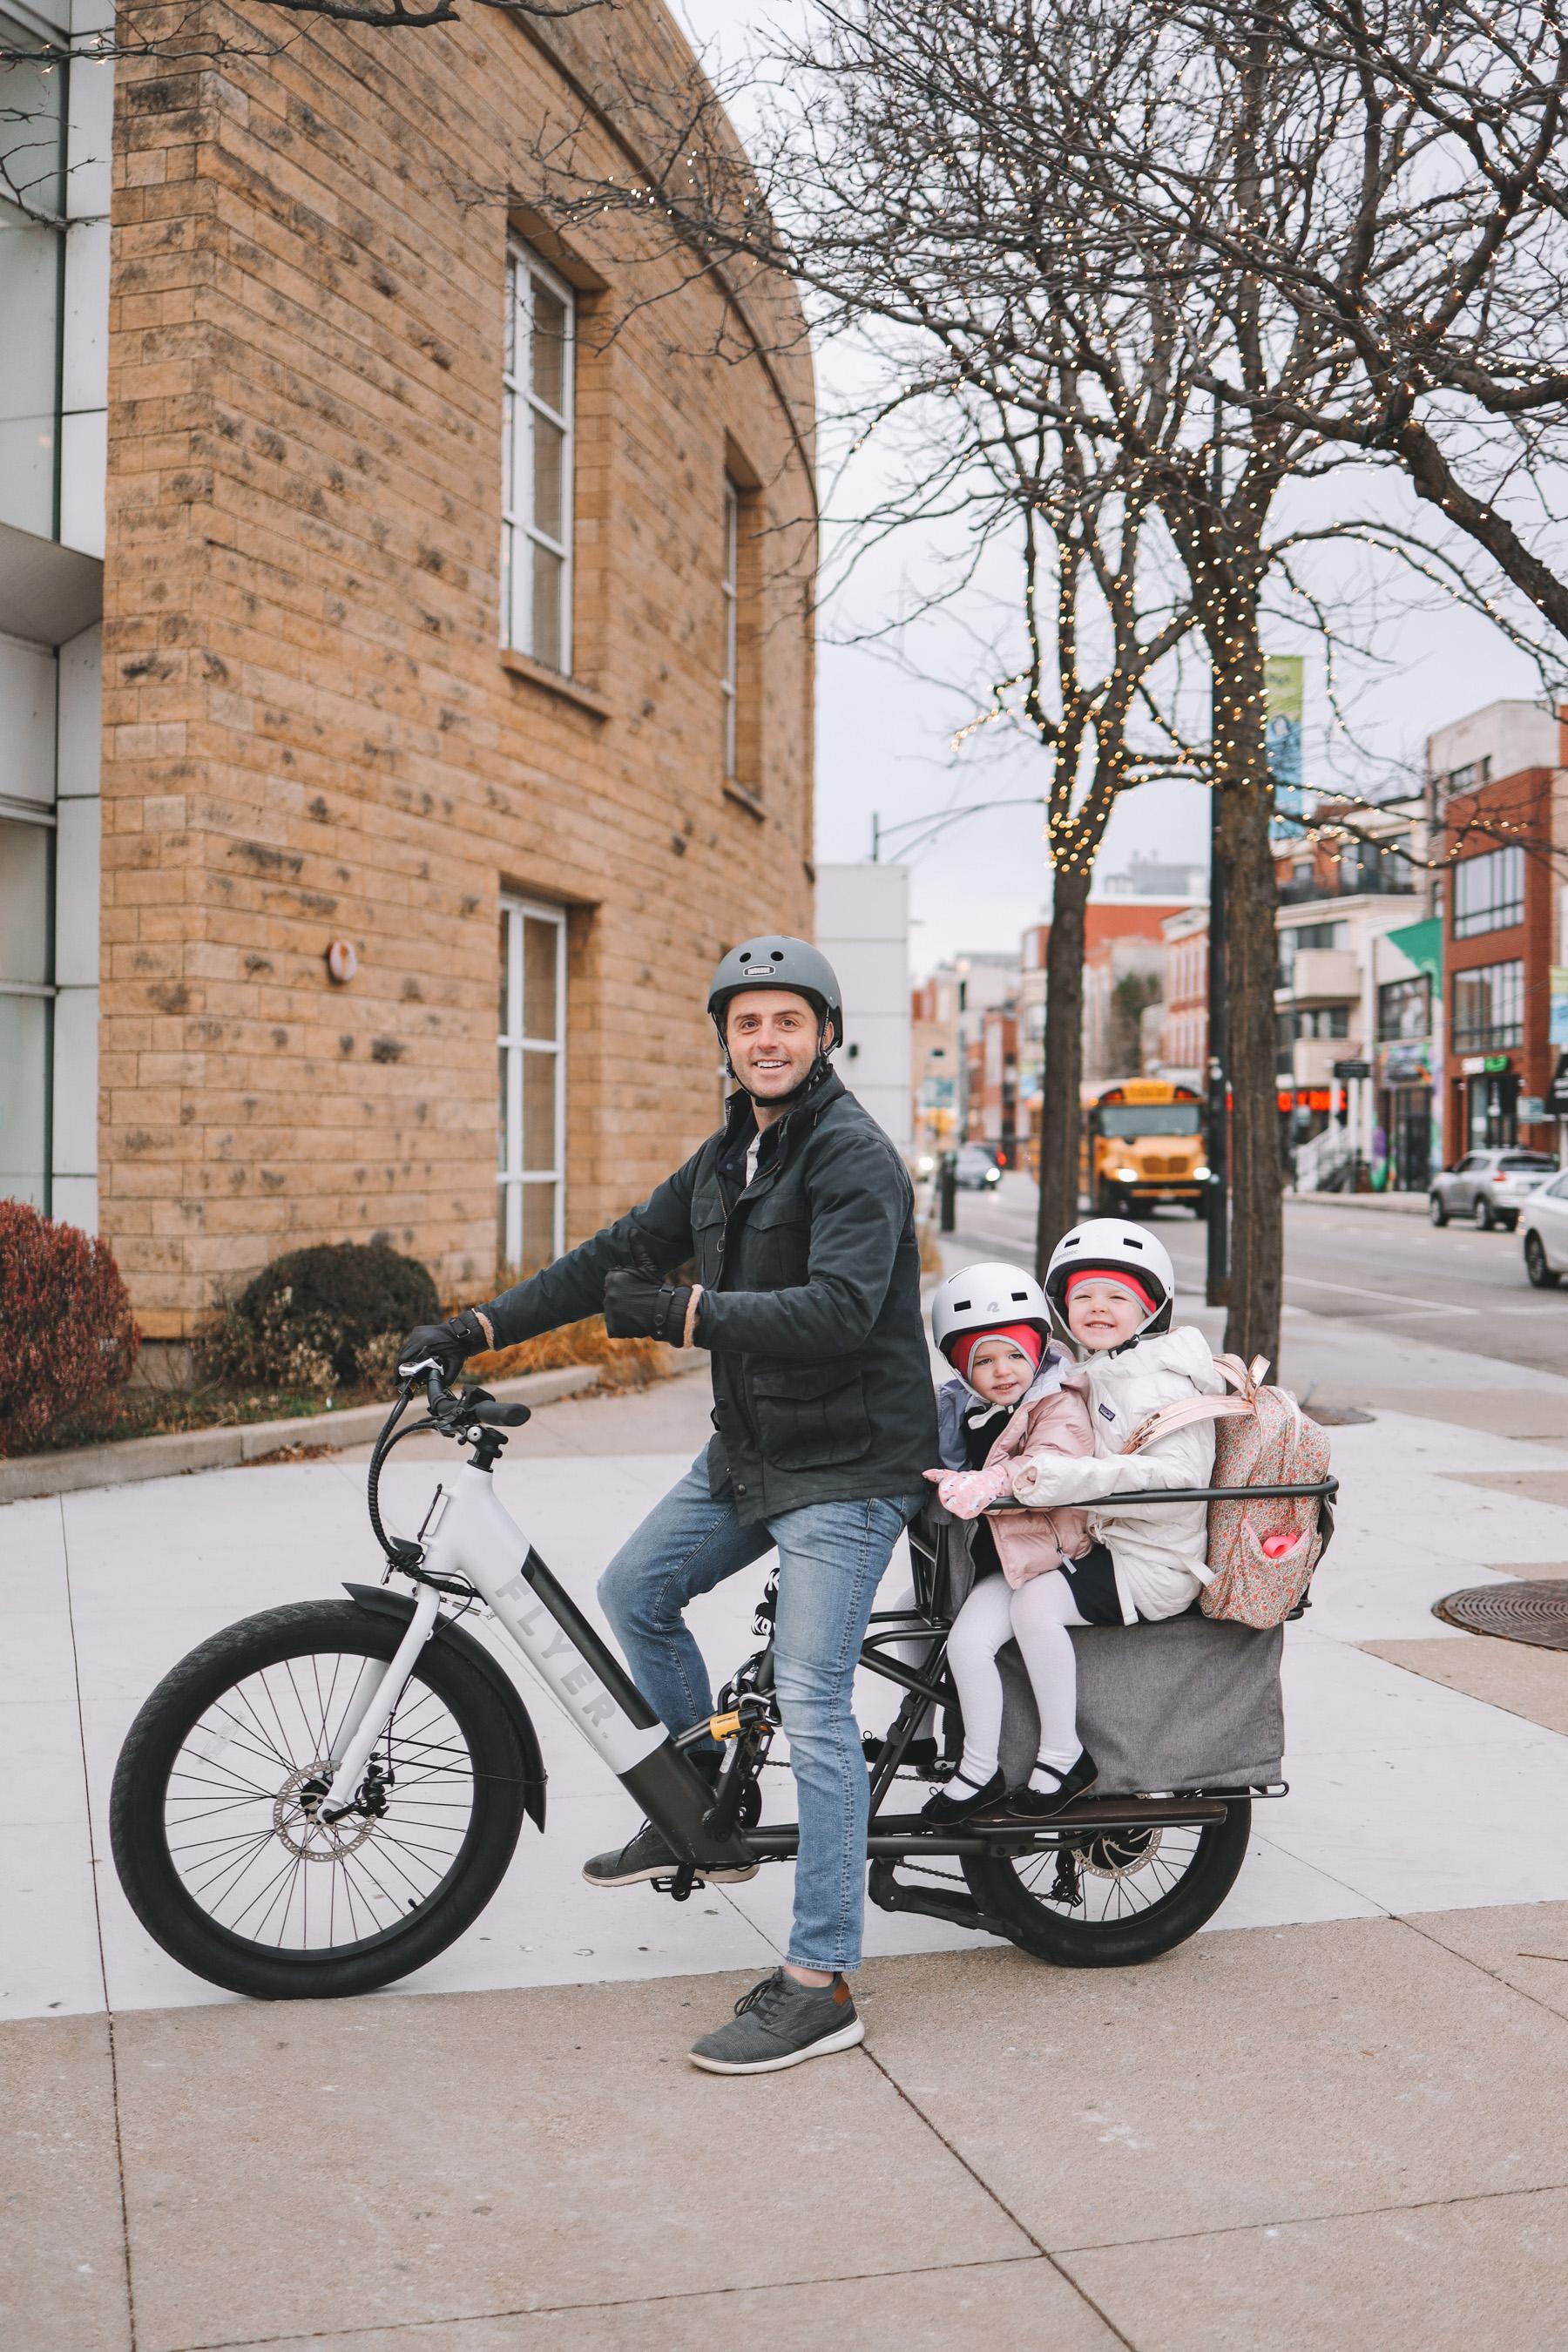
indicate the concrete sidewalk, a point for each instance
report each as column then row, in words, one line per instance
column 1335, row 2118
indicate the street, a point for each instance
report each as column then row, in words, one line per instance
column 1391, row 1271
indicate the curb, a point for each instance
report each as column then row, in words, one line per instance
column 1386, row 1205
column 132, row 1458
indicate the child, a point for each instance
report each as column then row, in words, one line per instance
column 1111, row 1287
column 1006, row 1401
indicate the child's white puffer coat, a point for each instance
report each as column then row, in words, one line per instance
column 1159, row 1549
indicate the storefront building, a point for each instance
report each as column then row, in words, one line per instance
column 1408, row 972
column 457, row 593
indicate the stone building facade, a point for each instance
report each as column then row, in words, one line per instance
column 458, row 671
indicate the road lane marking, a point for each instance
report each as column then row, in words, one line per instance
column 1395, row 1297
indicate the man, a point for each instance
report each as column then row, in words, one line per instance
column 800, row 1216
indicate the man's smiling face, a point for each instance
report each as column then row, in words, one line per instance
column 771, row 1036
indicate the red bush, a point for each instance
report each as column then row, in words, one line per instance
column 66, row 1333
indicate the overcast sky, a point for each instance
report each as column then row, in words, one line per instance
column 883, row 736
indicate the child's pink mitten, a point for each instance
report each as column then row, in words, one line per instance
column 967, row 1493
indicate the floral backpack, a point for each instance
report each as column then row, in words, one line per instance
column 1261, row 1555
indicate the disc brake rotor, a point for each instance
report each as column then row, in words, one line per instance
column 302, row 1832
column 1120, row 1854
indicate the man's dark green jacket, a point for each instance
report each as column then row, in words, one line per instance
column 811, row 1275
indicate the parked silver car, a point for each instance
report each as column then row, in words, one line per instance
column 1545, row 1223
column 1490, row 1186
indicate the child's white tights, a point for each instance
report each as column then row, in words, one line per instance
column 1037, row 1615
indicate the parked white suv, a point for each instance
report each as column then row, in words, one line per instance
column 1490, row 1186
column 1545, row 1223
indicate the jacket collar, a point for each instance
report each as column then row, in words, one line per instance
column 740, row 1122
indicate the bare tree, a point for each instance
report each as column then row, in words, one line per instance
column 1065, row 201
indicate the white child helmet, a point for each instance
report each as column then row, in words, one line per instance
column 984, row 1295
column 1113, row 1245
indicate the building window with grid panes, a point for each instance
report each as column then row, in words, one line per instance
column 731, row 584
column 1488, row 892
column 1488, row 1009
column 536, row 474
column 531, row 1124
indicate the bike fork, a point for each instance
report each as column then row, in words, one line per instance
column 371, row 1707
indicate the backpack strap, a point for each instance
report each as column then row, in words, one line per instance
column 1245, row 1379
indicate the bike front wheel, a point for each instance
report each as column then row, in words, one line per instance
column 213, row 1812
column 1123, row 1897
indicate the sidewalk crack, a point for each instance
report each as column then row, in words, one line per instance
column 98, row 1928
column 1000, row 2202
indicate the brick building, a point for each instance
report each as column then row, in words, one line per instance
column 457, row 662
column 1500, row 783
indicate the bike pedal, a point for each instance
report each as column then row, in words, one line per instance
column 679, row 1885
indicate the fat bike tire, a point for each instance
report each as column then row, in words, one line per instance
column 1185, row 1891
column 444, row 1690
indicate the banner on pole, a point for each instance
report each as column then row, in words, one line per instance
column 1557, row 1031
column 1283, row 695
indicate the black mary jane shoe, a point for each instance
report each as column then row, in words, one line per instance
column 921, row 1756
column 1026, row 1804
column 943, row 1811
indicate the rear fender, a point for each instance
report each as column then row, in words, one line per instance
column 383, row 1602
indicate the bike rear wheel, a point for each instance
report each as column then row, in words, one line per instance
column 1123, row 1898
column 213, row 1813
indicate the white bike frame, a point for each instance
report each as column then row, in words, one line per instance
column 470, row 1534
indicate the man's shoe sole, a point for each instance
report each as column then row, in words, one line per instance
column 667, row 1870
column 845, row 2039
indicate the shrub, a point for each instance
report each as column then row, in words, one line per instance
column 309, row 1320
column 67, row 1337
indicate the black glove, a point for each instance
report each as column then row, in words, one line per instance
column 449, row 1344
column 640, row 1305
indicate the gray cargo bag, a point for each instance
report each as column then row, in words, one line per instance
column 1185, row 1704
column 1190, row 1702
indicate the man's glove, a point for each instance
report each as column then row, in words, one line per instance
column 967, row 1493
column 448, row 1345
column 640, row 1305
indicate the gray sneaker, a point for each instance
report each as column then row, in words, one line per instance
column 646, row 1855
column 778, row 2023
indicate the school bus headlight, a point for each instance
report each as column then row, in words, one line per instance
column 1201, row 1174
column 1127, row 1175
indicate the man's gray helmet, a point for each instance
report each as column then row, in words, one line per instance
column 779, row 963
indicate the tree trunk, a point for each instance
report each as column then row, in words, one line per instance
column 1247, row 876
column 1061, row 1114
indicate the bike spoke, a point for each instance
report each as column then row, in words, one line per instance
column 248, row 1847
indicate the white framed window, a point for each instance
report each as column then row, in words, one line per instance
column 530, row 1122
column 730, row 585
column 27, row 1004
column 537, row 461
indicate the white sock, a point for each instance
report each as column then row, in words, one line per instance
column 971, row 1777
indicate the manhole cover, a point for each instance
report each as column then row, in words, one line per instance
column 1532, row 1613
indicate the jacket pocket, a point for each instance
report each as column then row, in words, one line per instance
column 776, row 1245
column 810, row 1417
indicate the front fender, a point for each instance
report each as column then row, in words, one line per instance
column 384, row 1602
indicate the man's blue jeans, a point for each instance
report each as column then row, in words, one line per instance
column 831, row 1560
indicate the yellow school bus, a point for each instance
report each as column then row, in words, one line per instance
column 1145, row 1143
